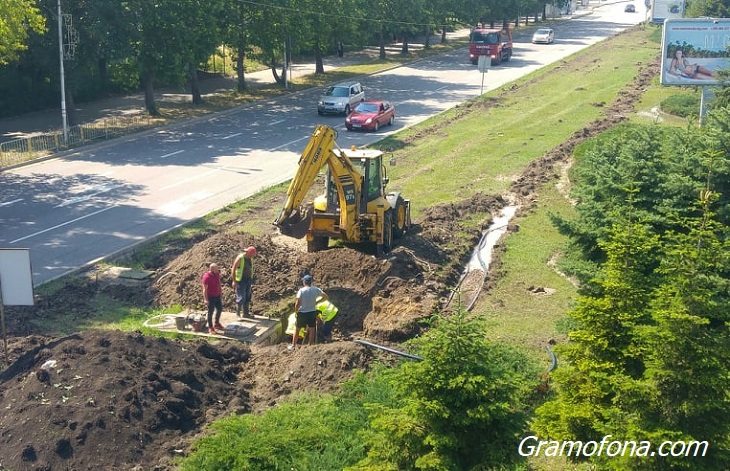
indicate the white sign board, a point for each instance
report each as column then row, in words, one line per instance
column 693, row 50
column 484, row 63
column 16, row 277
column 665, row 9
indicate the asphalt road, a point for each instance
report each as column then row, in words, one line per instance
column 74, row 210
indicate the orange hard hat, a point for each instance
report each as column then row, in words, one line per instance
column 251, row 251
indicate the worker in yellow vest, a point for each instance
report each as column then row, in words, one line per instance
column 292, row 325
column 327, row 314
column 325, row 318
column 243, row 279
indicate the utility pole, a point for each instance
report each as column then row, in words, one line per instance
column 64, row 117
column 286, row 62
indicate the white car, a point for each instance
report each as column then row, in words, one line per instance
column 341, row 98
column 544, row 36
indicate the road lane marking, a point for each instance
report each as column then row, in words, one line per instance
column 183, row 204
column 289, row 143
column 188, row 180
column 63, row 224
column 11, row 202
column 276, row 122
column 232, row 135
column 171, row 154
column 79, row 199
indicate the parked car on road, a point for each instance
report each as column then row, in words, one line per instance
column 544, row 36
column 630, row 8
column 341, row 98
column 370, row 115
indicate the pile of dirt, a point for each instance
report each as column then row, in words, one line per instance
column 111, row 400
column 103, row 399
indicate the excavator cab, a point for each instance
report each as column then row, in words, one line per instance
column 373, row 183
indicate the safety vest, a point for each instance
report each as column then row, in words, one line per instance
column 327, row 310
column 292, row 326
column 239, row 270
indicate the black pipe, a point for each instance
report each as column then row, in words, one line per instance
column 403, row 354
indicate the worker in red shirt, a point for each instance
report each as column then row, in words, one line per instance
column 212, row 295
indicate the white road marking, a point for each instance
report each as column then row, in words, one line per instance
column 188, row 180
column 11, row 202
column 171, row 154
column 79, row 199
column 276, row 122
column 288, row 143
column 63, row 224
column 176, row 207
column 232, row 135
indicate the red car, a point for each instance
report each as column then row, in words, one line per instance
column 370, row 115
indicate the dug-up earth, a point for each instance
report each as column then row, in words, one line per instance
column 109, row 400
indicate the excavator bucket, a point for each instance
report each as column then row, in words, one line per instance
column 297, row 224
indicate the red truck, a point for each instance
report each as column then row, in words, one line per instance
column 495, row 43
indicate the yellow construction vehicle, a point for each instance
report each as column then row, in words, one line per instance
column 354, row 208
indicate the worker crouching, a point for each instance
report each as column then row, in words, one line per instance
column 326, row 313
column 326, row 318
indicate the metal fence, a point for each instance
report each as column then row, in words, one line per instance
column 29, row 148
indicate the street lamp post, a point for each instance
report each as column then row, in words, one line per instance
column 64, row 118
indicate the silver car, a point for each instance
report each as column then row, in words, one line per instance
column 544, row 36
column 341, row 98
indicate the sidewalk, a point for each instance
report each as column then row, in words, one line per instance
column 40, row 122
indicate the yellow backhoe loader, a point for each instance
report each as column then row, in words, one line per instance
column 354, row 207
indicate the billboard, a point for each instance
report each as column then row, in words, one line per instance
column 665, row 9
column 693, row 50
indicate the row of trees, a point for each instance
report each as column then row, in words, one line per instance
column 127, row 45
column 649, row 355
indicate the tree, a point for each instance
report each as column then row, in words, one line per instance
column 17, row 19
column 328, row 23
column 689, row 342
column 664, row 169
column 171, row 38
column 711, row 8
column 603, row 358
column 460, row 408
column 237, row 33
column 274, row 24
column 649, row 358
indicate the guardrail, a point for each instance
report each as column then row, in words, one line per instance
column 23, row 150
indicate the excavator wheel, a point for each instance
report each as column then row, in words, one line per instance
column 317, row 244
column 400, row 217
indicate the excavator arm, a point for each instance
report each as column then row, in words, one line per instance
column 321, row 150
